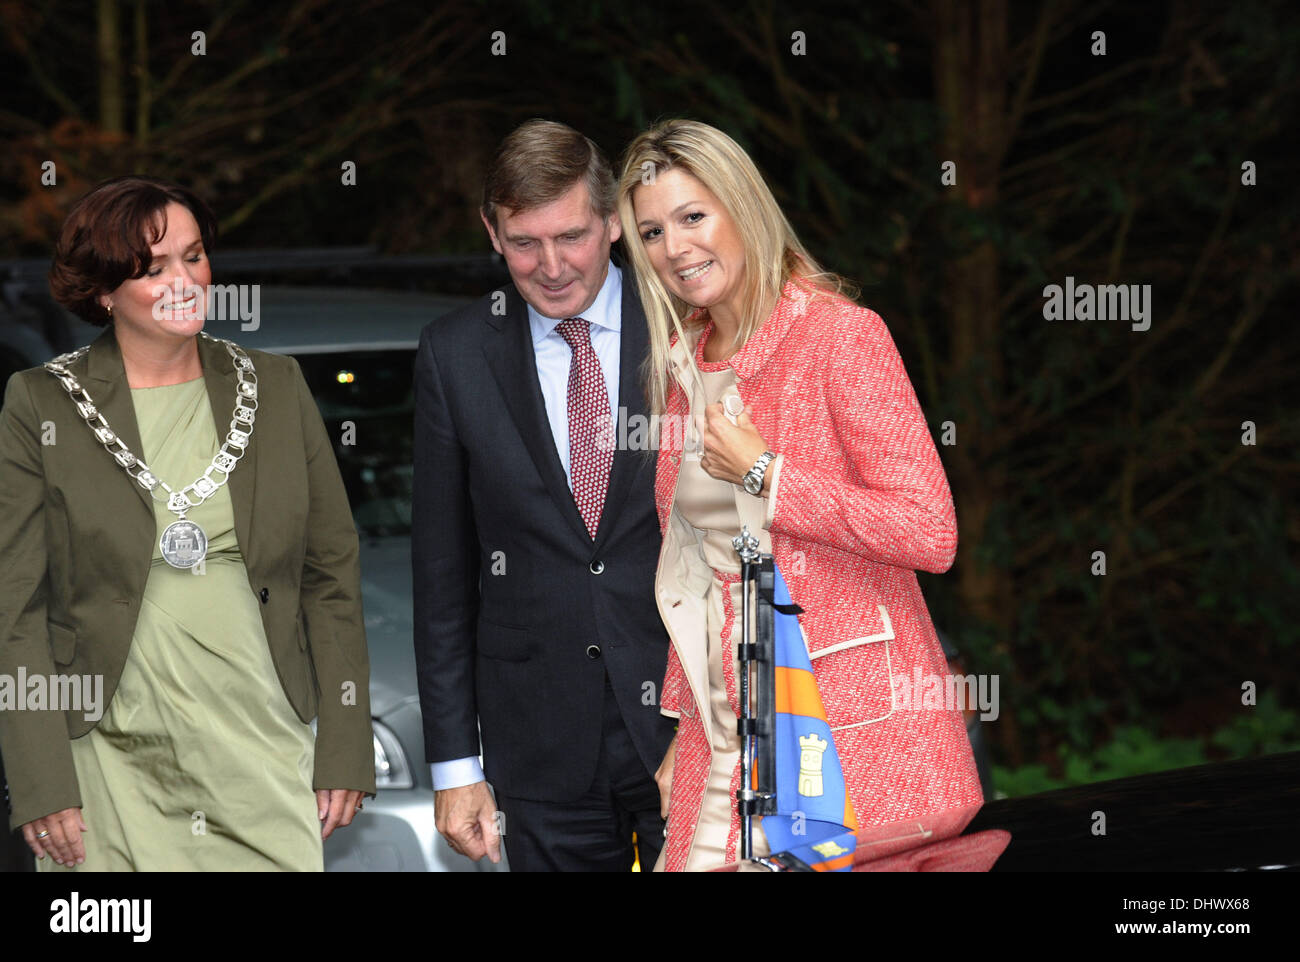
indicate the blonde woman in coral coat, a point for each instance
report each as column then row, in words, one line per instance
column 762, row 367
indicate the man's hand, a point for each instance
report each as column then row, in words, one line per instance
column 467, row 818
column 335, row 808
column 664, row 777
column 63, row 840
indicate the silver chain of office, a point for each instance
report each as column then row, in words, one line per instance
column 183, row 543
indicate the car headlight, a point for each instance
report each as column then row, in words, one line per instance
column 391, row 768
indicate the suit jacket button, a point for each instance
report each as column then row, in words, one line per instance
column 596, row 567
column 264, row 595
column 593, row 652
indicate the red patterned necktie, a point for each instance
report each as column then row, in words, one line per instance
column 591, row 449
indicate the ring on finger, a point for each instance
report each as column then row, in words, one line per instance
column 42, row 834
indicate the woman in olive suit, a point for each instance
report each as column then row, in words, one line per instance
column 173, row 525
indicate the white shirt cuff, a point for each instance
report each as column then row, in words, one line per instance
column 456, row 773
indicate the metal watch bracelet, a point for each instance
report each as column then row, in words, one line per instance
column 753, row 479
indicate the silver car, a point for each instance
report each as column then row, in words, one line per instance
column 357, row 352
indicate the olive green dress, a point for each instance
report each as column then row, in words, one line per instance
column 199, row 762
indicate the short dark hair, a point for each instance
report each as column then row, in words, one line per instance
column 538, row 162
column 108, row 238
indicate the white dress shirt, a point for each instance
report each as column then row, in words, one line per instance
column 553, row 354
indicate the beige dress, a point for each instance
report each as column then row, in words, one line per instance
column 709, row 506
column 199, row 763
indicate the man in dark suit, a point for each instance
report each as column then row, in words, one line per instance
column 535, row 538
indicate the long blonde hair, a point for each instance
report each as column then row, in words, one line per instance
column 773, row 254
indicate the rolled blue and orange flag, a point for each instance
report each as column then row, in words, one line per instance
column 814, row 819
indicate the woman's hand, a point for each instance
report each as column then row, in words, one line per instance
column 730, row 450
column 63, row 840
column 664, row 777
column 336, row 806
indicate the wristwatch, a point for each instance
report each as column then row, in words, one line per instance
column 754, row 478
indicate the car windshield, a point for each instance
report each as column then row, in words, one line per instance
column 367, row 401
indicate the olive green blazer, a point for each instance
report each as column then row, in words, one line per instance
column 77, row 537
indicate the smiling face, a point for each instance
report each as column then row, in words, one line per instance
column 691, row 241
column 558, row 254
column 168, row 301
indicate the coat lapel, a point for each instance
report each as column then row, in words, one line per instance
column 509, row 353
column 634, row 342
column 747, row 363
column 683, row 606
column 106, row 381
column 221, row 381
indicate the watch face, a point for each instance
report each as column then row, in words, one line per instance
column 752, row 484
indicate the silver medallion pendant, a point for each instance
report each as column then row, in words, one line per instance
column 183, row 544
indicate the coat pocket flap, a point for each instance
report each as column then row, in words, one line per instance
column 883, row 630
column 504, row 642
column 63, row 643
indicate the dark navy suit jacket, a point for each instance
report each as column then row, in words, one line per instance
column 519, row 613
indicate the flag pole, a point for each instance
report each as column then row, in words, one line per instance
column 756, row 724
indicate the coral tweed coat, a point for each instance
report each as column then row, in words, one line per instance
column 859, row 501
